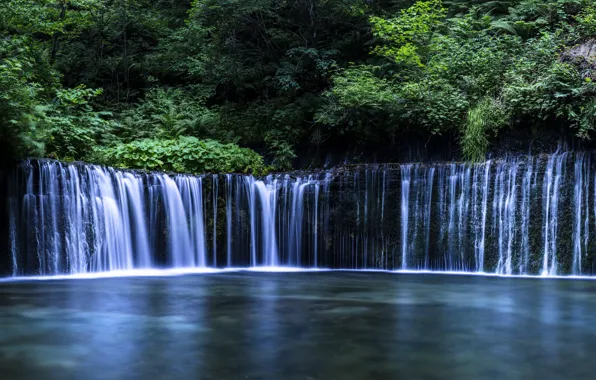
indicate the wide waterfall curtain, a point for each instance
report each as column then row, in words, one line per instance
column 521, row 215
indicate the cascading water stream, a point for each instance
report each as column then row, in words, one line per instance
column 229, row 221
column 185, row 194
column 134, row 194
column 405, row 212
column 215, row 193
column 521, row 215
column 526, row 207
column 555, row 171
column 581, row 224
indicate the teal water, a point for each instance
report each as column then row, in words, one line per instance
column 291, row 326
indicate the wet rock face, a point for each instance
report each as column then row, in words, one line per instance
column 6, row 167
column 584, row 56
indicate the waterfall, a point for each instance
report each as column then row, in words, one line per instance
column 452, row 182
column 428, row 198
column 316, row 224
column 505, row 199
column 581, row 211
column 267, row 194
column 180, row 196
column 215, row 193
column 405, row 211
column 134, row 194
column 526, row 207
column 555, row 171
column 520, row 215
column 481, row 187
column 229, row 231
column 250, row 185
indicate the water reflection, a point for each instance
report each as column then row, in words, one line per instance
column 267, row 329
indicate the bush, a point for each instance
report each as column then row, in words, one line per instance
column 185, row 155
column 71, row 127
column 487, row 116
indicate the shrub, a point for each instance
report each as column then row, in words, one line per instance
column 185, row 154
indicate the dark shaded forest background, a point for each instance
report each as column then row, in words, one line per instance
column 253, row 86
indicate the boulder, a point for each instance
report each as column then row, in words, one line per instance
column 584, row 57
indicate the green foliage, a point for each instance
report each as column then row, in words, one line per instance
column 435, row 105
column 71, row 128
column 170, row 113
column 185, row 155
column 586, row 118
column 408, row 36
column 25, row 77
column 36, row 111
column 441, row 73
column 539, row 87
column 105, row 79
column 587, row 20
column 359, row 87
column 542, row 95
column 47, row 17
column 280, row 150
column 18, row 103
column 488, row 116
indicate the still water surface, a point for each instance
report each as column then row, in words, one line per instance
column 298, row 326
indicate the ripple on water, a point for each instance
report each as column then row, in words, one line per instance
column 346, row 310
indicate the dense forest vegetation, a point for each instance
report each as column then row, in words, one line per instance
column 246, row 86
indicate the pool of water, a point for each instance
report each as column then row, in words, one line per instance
column 291, row 326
